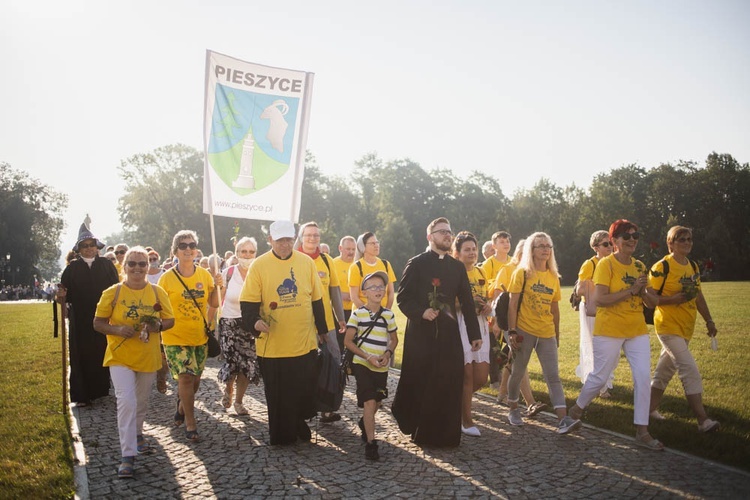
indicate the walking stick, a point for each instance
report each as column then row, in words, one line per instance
column 63, row 334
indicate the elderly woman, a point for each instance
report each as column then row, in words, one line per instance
column 621, row 290
column 131, row 314
column 191, row 290
column 535, row 326
column 476, row 362
column 678, row 280
column 366, row 261
column 240, row 364
column 602, row 247
column 82, row 284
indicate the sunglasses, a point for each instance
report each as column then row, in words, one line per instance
column 684, row 239
column 83, row 246
column 139, row 263
column 604, row 244
column 184, row 246
column 120, row 252
column 627, row 236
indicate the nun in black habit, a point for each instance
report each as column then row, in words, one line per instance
column 81, row 287
column 427, row 404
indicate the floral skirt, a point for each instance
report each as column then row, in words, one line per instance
column 238, row 348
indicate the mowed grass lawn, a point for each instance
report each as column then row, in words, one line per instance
column 726, row 380
column 36, row 459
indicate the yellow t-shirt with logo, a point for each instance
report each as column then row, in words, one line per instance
column 478, row 283
column 625, row 318
column 541, row 290
column 133, row 308
column 342, row 270
column 286, row 290
column 676, row 319
column 328, row 278
column 355, row 278
column 189, row 329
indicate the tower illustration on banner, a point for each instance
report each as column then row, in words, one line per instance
column 275, row 136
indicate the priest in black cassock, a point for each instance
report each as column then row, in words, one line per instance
column 428, row 399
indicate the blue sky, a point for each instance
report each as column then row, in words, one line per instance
column 519, row 90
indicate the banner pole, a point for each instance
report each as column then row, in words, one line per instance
column 63, row 335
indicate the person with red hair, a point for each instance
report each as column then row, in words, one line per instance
column 620, row 291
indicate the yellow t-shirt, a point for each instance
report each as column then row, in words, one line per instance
column 478, row 283
column 625, row 318
column 491, row 268
column 587, row 270
column 541, row 290
column 327, row 279
column 676, row 319
column 503, row 276
column 286, row 290
column 132, row 308
column 189, row 329
column 355, row 277
column 342, row 270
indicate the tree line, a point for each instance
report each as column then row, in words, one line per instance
column 396, row 199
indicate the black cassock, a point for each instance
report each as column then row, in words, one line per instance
column 427, row 404
column 88, row 378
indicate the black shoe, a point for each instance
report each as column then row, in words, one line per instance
column 371, row 451
column 303, row 431
column 361, row 425
column 327, row 418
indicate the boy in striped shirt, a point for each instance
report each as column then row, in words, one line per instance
column 371, row 337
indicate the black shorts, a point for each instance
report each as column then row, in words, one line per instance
column 370, row 385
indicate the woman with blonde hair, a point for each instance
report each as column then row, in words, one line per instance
column 535, row 326
column 680, row 299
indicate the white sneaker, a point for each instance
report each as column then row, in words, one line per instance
column 709, row 425
column 655, row 415
column 567, row 424
column 471, row 431
column 514, row 417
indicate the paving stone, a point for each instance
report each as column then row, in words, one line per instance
column 234, row 459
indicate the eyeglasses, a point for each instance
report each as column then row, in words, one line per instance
column 184, row 246
column 83, row 246
column 544, row 247
column 627, row 236
column 139, row 263
column 120, row 252
column 443, row 232
column 685, row 239
column 376, row 288
column 604, row 244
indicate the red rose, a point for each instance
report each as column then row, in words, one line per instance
column 435, row 281
column 157, row 307
column 481, row 282
column 273, row 306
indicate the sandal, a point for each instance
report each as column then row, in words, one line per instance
column 126, row 468
column 192, row 435
column 179, row 418
column 143, row 446
column 647, row 441
column 226, row 399
column 240, row 409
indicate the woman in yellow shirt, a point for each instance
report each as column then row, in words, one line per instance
column 132, row 314
column 620, row 293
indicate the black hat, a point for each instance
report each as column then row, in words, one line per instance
column 83, row 235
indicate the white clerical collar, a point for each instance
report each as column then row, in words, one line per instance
column 88, row 261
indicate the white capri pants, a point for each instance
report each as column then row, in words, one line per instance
column 606, row 356
column 132, row 390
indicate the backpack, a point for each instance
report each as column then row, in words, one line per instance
column 361, row 273
column 503, row 303
column 575, row 299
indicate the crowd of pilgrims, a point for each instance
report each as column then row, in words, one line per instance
column 136, row 319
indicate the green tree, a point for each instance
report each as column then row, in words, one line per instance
column 31, row 222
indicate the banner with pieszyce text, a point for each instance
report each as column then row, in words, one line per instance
column 255, row 132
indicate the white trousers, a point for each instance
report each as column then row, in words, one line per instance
column 606, row 356
column 586, row 350
column 132, row 390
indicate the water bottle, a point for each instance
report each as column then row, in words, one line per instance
column 714, row 344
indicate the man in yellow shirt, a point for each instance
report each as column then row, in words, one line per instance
column 282, row 304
